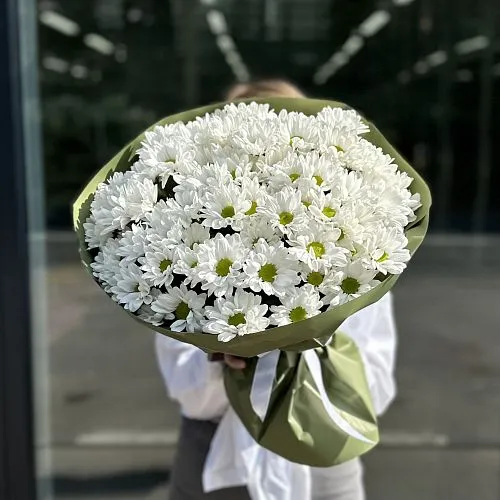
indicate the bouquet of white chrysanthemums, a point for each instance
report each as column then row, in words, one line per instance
column 246, row 219
column 229, row 221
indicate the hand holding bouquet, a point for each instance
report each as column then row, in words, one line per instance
column 253, row 227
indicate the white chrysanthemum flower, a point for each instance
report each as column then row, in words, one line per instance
column 106, row 265
column 211, row 177
column 270, row 269
column 366, row 157
column 350, row 283
column 252, row 190
column 225, row 207
column 348, row 186
column 238, row 164
column 323, row 170
column 195, row 233
column 255, row 228
column 166, row 216
column 251, row 110
column 135, row 200
column 157, row 264
column 238, row 315
column 219, row 263
column 323, row 207
column 297, row 305
column 334, row 142
column 183, row 306
column 348, row 119
column 186, row 265
column 103, row 220
column 188, row 202
column 131, row 289
column 317, row 274
column 147, row 314
column 385, row 250
column 132, row 244
column 318, row 242
column 96, row 235
column 255, row 138
column 285, row 211
column 290, row 171
column 298, row 129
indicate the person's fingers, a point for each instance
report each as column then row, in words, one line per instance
column 234, row 362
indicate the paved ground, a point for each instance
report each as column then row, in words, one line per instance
column 113, row 430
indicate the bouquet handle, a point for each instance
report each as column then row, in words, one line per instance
column 312, row 408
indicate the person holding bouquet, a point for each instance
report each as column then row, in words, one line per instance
column 195, row 381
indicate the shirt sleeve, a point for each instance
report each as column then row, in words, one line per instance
column 191, row 379
column 373, row 329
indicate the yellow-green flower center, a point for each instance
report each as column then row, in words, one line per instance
column 228, row 212
column 253, row 209
column 268, row 273
column 317, row 247
column 315, row 278
column 306, row 203
column 329, row 212
column 297, row 314
column 165, row 264
column 223, row 267
column 384, row 257
column 194, row 264
column 294, row 177
column 233, row 174
column 318, row 179
column 237, row 319
column 182, row 311
column 286, row 218
column 295, row 137
column 340, row 149
column 350, row 285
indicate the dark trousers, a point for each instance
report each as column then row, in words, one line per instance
column 193, row 447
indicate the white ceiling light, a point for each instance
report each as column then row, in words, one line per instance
column 465, row 75
column 404, row 77
column 79, row 71
column 472, row 44
column 99, row 44
column 338, row 60
column 421, row 68
column 121, row 54
column 216, row 22
column 225, row 43
column 59, row 23
column 233, row 58
column 437, row 58
column 353, row 45
column 134, row 15
column 55, row 64
column 402, row 2
column 374, row 23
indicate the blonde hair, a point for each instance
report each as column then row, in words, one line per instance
column 263, row 88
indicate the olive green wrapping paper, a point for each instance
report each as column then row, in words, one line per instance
column 296, row 425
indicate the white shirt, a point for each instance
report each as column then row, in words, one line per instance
column 234, row 458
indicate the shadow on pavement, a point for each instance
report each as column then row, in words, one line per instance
column 98, row 485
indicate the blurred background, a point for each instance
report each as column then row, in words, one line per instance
column 427, row 72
